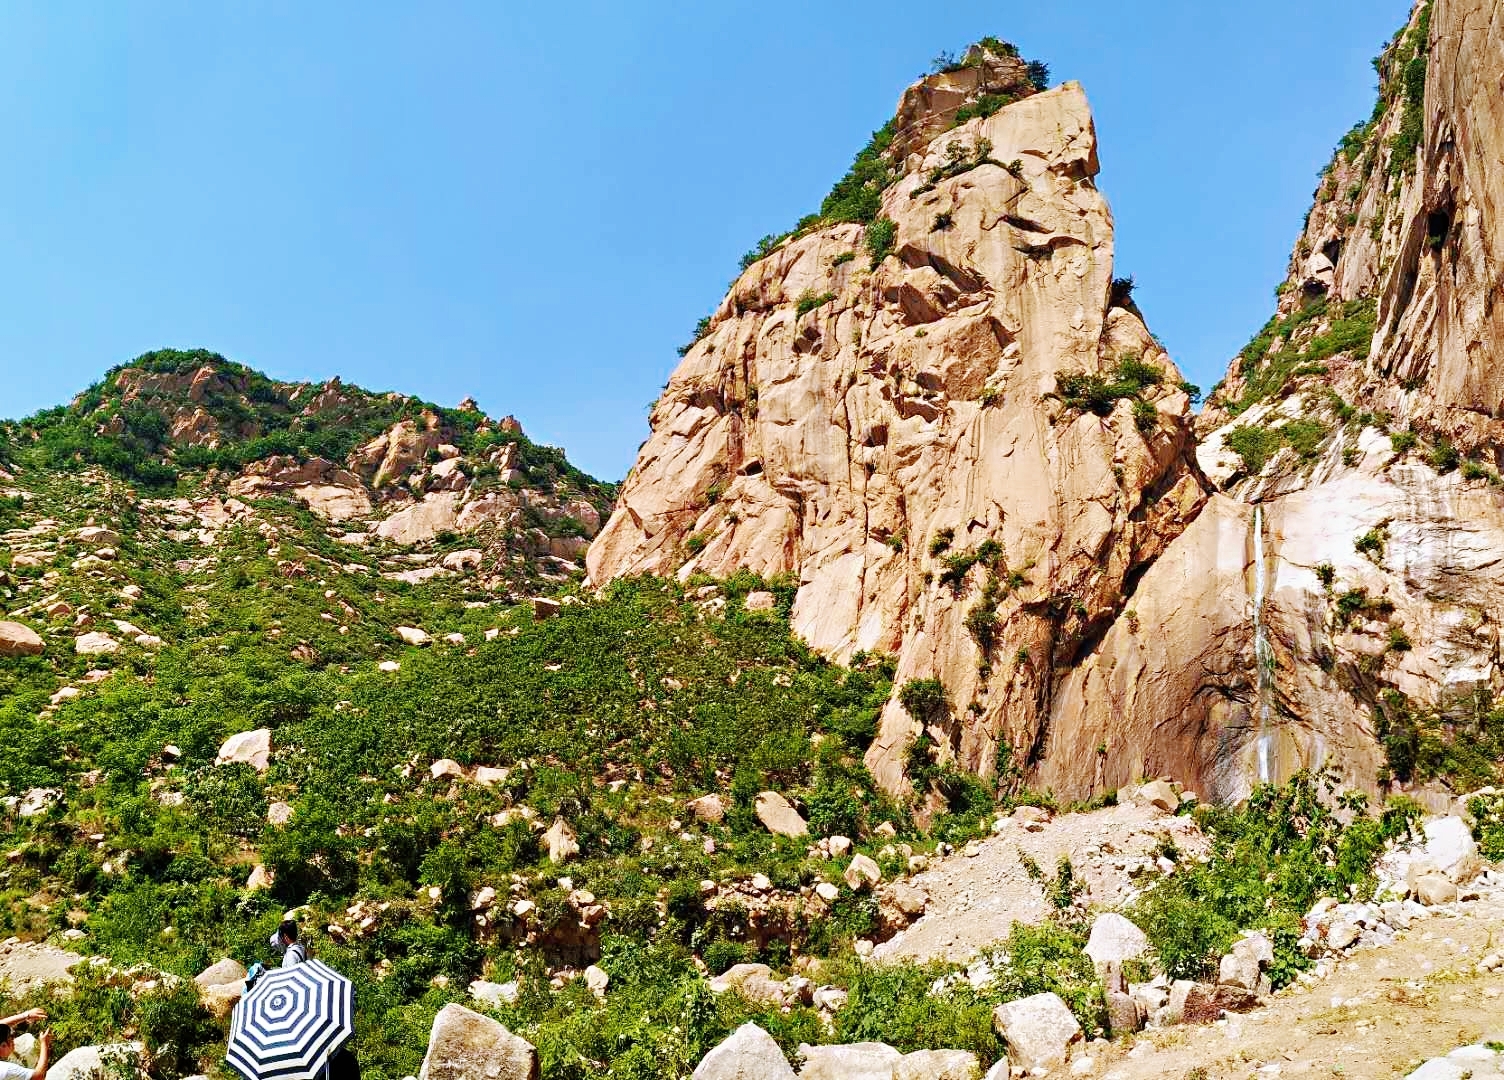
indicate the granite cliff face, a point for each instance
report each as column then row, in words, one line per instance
column 1340, row 600
column 1311, row 576
column 914, row 434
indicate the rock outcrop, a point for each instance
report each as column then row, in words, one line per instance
column 1341, row 602
column 465, row 1045
column 909, row 440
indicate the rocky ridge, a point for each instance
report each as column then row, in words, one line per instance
column 1308, row 577
column 950, row 424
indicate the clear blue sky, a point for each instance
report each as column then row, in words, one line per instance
column 533, row 203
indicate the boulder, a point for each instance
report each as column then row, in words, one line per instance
column 278, row 813
column 88, row 1062
column 65, row 695
column 1115, row 939
column 999, row 1070
column 909, row 899
column 851, row 1061
column 748, row 1053
column 389, row 666
column 544, row 608
column 260, row 879
column 827, row 892
column 464, row 1045
column 597, row 980
column 862, row 873
column 1039, row 1030
column 761, row 600
column 708, row 808
column 17, row 639
column 487, row 776
column 253, row 748
column 411, row 635
column 1434, row 889
column 446, row 769
column 220, row 999
column 95, row 643
column 1158, row 793
column 938, row 1065
column 462, row 561
column 495, row 994
column 224, row 971
column 838, row 846
column 1451, row 850
column 97, row 536
column 560, row 842
column 1124, row 1013
column 778, row 816
column 1241, row 969
column 37, row 800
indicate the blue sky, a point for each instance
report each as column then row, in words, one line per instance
column 533, row 203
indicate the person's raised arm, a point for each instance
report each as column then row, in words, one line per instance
column 23, row 1018
column 44, row 1057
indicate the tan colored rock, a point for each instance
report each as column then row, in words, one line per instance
column 1435, row 889
column 97, row 536
column 849, row 1061
column 861, row 874
column 560, row 842
column 279, row 813
column 778, row 816
column 464, row 561
column 1039, row 1031
column 1160, row 794
column 912, row 403
column 544, row 608
column 760, row 601
column 938, row 1065
column 749, row 1053
column 251, row 748
column 260, row 879
column 17, row 639
column 446, row 769
column 95, row 643
column 411, row 635
column 328, row 490
column 464, row 1045
column 489, row 776
column 422, row 521
column 708, row 808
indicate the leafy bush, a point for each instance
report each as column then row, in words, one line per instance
column 924, row 700
column 880, row 239
column 1270, row 860
column 1098, row 394
column 809, row 300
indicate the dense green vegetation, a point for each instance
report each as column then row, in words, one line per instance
column 1271, row 859
column 1098, row 394
column 1256, row 444
column 1410, row 63
column 1350, row 331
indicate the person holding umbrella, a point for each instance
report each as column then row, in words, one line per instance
column 294, row 1024
column 9, row 1070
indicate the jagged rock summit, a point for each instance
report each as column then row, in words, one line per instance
column 949, row 421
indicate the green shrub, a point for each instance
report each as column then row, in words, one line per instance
column 880, row 239
column 1255, row 445
column 809, row 300
column 924, row 700
column 1403, row 441
column 1371, row 544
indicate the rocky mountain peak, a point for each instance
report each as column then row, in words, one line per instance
column 988, row 76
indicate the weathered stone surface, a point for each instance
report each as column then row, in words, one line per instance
column 18, row 639
column 708, row 808
column 437, row 512
column 95, row 643
column 938, row 1065
column 1115, row 939
column 88, row 1062
column 411, row 635
column 560, row 842
column 850, row 1061
column 914, row 403
column 861, row 873
column 224, row 971
column 778, row 816
column 253, row 748
column 748, row 1053
column 1124, row 1013
column 464, row 1045
column 1039, row 1030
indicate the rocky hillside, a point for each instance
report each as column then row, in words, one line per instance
column 968, row 450
column 432, row 491
column 1339, row 598
column 943, row 417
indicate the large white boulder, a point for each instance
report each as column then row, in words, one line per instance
column 748, row 1053
column 1450, row 849
column 253, row 748
column 851, row 1061
column 938, row 1065
column 464, row 1045
column 1039, row 1030
column 1115, row 939
column 778, row 816
column 88, row 1062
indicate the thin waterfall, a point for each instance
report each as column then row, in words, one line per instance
column 1263, row 651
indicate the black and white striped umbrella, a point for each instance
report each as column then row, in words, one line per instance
column 293, row 1019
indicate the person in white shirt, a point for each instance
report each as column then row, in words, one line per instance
column 9, row 1070
column 286, row 942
